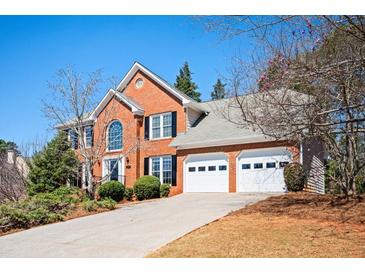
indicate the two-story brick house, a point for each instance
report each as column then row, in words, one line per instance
column 154, row 129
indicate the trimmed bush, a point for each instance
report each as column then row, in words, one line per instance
column 113, row 190
column 128, row 194
column 294, row 176
column 90, row 205
column 147, row 187
column 165, row 190
column 107, row 203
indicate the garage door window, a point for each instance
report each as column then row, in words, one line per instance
column 161, row 167
column 271, row 165
column 191, row 169
column 223, row 167
column 211, row 168
column 283, row 164
column 201, row 168
column 246, row 166
column 258, row 166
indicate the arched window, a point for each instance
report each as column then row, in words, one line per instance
column 115, row 136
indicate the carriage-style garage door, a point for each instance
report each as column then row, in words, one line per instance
column 206, row 173
column 261, row 170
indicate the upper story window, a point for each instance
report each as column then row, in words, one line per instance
column 72, row 136
column 161, row 125
column 115, row 136
column 89, row 136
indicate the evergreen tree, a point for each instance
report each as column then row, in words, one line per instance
column 56, row 165
column 219, row 91
column 185, row 83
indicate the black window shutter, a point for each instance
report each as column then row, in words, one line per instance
column 147, row 128
column 146, row 166
column 173, row 182
column 173, row 116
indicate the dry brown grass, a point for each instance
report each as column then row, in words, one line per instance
column 293, row 225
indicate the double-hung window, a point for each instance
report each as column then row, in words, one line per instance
column 161, row 126
column 161, row 167
column 89, row 136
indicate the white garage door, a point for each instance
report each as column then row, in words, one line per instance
column 262, row 170
column 206, row 173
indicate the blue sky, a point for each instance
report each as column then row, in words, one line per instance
column 33, row 48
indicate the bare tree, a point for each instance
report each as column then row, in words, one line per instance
column 12, row 177
column 71, row 108
column 309, row 81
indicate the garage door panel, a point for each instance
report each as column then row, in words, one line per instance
column 206, row 173
column 262, row 170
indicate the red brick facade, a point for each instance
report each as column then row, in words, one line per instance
column 155, row 99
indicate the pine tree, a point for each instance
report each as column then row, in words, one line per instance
column 218, row 90
column 185, row 83
column 54, row 166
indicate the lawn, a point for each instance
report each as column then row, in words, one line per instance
column 292, row 225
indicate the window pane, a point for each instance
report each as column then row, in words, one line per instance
column 258, row 165
column 167, row 131
column 283, row 164
column 223, row 167
column 211, row 168
column 73, row 139
column 191, row 169
column 167, row 177
column 271, row 165
column 201, row 168
column 167, row 120
column 246, row 166
column 88, row 136
column 115, row 135
column 113, row 169
column 156, row 122
column 166, row 164
column 155, row 133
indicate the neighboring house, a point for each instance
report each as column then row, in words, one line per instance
column 14, row 170
column 186, row 144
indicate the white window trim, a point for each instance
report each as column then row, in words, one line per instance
column 121, row 167
column 161, row 166
column 107, row 137
column 161, row 126
column 86, row 146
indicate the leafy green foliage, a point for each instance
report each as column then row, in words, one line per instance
column 185, row 83
column 128, row 194
column 42, row 208
column 165, row 190
column 147, row 187
column 113, row 190
column 94, row 205
column 53, row 167
column 6, row 145
column 219, row 91
column 294, row 176
column 107, row 203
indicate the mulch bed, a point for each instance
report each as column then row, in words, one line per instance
column 311, row 206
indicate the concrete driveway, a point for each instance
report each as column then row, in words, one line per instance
column 131, row 231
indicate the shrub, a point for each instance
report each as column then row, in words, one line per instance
column 128, row 194
column 113, row 190
column 294, row 176
column 107, row 203
column 147, row 187
column 165, row 190
column 90, row 205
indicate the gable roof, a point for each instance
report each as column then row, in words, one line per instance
column 185, row 100
column 217, row 128
column 135, row 107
